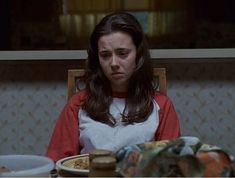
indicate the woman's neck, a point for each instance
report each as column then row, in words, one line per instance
column 119, row 94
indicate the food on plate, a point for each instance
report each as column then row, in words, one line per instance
column 82, row 163
column 4, row 169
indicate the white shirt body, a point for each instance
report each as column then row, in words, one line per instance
column 94, row 134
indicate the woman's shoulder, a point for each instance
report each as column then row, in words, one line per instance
column 161, row 99
column 78, row 98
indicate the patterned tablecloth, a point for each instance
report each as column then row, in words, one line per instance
column 184, row 157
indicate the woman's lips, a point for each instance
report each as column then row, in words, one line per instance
column 117, row 75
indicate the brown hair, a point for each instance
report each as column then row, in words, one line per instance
column 139, row 101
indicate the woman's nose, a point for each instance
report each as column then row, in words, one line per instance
column 114, row 63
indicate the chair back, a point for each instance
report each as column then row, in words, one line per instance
column 75, row 77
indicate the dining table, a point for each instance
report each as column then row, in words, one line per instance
column 185, row 156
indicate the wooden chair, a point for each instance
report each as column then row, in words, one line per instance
column 75, row 74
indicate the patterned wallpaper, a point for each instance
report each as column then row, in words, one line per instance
column 205, row 100
column 32, row 96
column 30, row 100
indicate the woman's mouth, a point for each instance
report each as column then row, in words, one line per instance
column 117, row 75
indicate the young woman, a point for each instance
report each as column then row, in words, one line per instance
column 120, row 105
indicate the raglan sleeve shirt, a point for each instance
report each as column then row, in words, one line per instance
column 65, row 138
column 169, row 125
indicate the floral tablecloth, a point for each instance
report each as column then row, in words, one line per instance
column 184, row 157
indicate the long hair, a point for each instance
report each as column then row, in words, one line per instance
column 139, row 100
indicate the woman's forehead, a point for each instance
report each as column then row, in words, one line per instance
column 115, row 40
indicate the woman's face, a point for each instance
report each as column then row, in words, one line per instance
column 117, row 57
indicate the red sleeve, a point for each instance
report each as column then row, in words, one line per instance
column 65, row 138
column 169, row 126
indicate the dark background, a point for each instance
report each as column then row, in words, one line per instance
column 33, row 25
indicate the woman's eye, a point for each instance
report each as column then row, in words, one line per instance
column 123, row 54
column 105, row 55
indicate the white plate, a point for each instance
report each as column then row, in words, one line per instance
column 67, row 164
column 26, row 165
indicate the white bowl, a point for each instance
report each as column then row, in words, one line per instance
column 26, row 165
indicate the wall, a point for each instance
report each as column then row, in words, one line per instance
column 32, row 95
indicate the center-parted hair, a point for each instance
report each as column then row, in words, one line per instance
column 139, row 101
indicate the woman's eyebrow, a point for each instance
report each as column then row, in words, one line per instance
column 104, row 51
column 123, row 49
